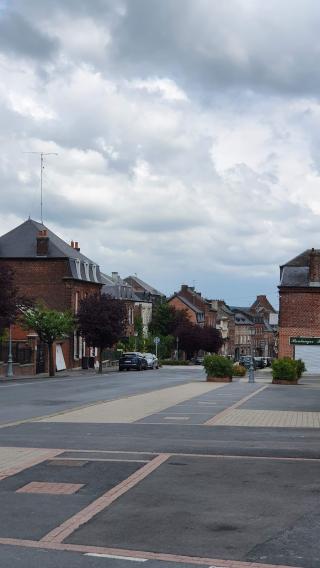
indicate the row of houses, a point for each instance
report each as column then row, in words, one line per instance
column 58, row 274
column 248, row 330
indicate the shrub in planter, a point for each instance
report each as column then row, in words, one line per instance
column 239, row 371
column 300, row 367
column 285, row 370
column 218, row 367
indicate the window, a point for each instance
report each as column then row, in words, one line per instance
column 76, row 303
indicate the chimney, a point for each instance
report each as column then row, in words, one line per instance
column 76, row 246
column 314, row 268
column 184, row 287
column 42, row 243
column 72, row 244
column 115, row 276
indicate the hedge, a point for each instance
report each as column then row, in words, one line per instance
column 287, row 369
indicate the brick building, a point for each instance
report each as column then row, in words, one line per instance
column 137, row 305
column 225, row 323
column 299, row 312
column 199, row 310
column 144, row 291
column 49, row 271
column 255, row 334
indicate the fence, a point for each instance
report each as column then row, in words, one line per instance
column 21, row 353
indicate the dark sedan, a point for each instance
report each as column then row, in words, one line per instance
column 134, row 361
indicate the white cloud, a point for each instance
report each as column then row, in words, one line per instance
column 160, row 173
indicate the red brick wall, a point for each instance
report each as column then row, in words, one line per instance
column 179, row 305
column 46, row 280
column 299, row 315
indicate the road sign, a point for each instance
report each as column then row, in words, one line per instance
column 156, row 340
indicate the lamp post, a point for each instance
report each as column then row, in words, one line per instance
column 251, row 367
column 10, row 361
column 177, row 344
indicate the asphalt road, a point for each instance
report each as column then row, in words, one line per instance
column 225, row 494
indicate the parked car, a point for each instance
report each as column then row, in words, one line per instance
column 267, row 361
column 259, row 362
column 132, row 360
column 152, row 360
column 198, row 360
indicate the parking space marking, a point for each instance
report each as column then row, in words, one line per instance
column 160, row 556
column 116, row 557
column 59, row 534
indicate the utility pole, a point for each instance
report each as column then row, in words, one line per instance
column 42, row 154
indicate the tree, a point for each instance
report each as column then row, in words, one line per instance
column 9, row 298
column 192, row 338
column 210, row 339
column 102, row 321
column 50, row 325
column 166, row 319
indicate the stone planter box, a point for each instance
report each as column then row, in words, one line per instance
column 284, row 382
column 219, row 379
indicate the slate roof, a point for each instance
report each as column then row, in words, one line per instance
column 295, row 273
column 295, row 276
column 21, row 243
column 146, row 286
column 119, row 290
column 189, row 304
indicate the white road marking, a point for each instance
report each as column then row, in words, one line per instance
column 130, row 558
column 176, row 417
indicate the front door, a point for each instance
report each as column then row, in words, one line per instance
column 41, row 358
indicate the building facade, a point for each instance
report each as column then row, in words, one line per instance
column 299, row 309
column 51, row 272
column 198, row 309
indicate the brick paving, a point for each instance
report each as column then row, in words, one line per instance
column 211, row 562
column 14, row 460
column 50, row 488
column 267, row 418
column 133, row 408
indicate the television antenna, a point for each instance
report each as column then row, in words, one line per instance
column 42, row 162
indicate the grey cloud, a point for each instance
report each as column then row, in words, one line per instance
column 18, row 35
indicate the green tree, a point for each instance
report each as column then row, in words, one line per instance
column 102, row 321
column 166, row 319
column 50, row 325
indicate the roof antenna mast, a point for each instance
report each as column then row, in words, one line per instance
column 42, row 154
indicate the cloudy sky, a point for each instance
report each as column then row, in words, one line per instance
column 187, row 133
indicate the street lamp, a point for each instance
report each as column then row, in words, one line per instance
column 177, row 344
column 10, row 361
column 251, row 367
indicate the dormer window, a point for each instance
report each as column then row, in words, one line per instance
column 86, row 270
column 94, row 272
column 78, row 268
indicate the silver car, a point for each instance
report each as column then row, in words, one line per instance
column 152, row 360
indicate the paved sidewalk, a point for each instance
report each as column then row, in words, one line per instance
column 130, row 409
column 13, row 460
column 269, row 419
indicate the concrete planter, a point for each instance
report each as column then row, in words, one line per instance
column 284, row 382
column 219, row 379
